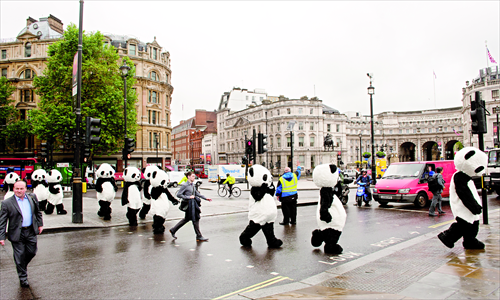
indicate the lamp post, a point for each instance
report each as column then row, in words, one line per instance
column 191, row 143
column 125, row 68
column 156, row 144
column 360, row 149
column 359, row 158
column 371, row 92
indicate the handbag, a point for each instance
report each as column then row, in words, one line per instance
column 184, row 205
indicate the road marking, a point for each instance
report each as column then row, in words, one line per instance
column 255, row 286
column 442, row 224
column 341, row 257
column 414, row 232
column 387, row 242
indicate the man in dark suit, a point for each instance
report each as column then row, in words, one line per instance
column 22, row 213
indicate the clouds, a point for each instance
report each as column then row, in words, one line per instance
column 298, row 48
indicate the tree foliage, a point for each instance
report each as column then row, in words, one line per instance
column 101, row 94
column 12, row 130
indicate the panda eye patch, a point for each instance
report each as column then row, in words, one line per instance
column 264, row 177
column 470, row 154
column 479, row 169
column 250, row 172
column 162, row 182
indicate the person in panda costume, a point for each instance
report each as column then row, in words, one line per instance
column 8, row 184
column 465, row 202
column 331, row 215
column 40, row 187
column 55, row 198
column 146, row 197
column 106, row 189
column 159, row 200
column 131, row 195
column 262, row 210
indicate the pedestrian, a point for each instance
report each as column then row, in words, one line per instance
column 188, row 192
column 230, row 180
column 436, row 193
column 286, row 193
column 25, row 221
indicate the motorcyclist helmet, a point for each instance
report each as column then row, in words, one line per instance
column 364, row 171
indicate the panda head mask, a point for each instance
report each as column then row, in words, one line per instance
column 132, row 174
column 148, row 171
column 159, row 178
column 11, row 178
column 105, row 171
column 259, row 176
column 326, row 175
column 54, row 176
column 471, row 161
column 39, row 175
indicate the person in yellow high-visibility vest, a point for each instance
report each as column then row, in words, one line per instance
column 286, row 193
column 230, row 180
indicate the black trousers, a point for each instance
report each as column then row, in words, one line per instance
column 196, row 226
column 24, row 251
column 289, row 208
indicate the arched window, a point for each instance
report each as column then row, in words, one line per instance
column 27, row 74
column 153, row 76
column 27, row 50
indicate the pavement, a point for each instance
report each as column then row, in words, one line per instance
column 419, row 268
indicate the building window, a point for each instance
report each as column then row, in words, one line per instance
column 407, row 130
column 311, row 126
column 153, row 76
column 150, row 140
column 400, row 130
column 311, row 141
column 4, row 54
column 301, row 125
column 288, row 142
column 338, row 128
column 27, row 74
column 132, row 49
column 278, row 142
column 26, row 95
column 390, row 131
column 300, row 111
column 328, row 127
column 301, row 141
column 311, row 111
column 152, row 96
column 495, row 94
column 414, row 130
column 154, row 117
column 154, row 53
column 288, row 111
column 312, row 162
column 279, row 127
column 278, row 112
column 166, row 77
column 27, row 50
column 166, row 120
column 4, row 72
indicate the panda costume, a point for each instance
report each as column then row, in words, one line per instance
column 131, row 195
column 465, row 202
column 55, row 198
column 146, row 197
column 331, row 215
column 106, row 189
column 40, row 187
column 8, row 184
column 262, row 210
column 159, row 200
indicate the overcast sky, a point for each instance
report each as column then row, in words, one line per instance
column 299, row 48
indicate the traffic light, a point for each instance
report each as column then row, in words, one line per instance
column 45, row 151
column 129, row 147
column 244, row 160
column 339, row 156
column 92, row 131
column 478, row 115
column 85, row 153
column 262, row 143
column 250, row 149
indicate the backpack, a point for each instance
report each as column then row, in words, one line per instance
column 433, row 184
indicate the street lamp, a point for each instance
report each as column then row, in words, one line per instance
column 360, row 150
column 156, row 143
column 371, row 92
column 192, row 154
column 125, row 68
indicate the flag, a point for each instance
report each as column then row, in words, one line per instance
column 435, row 77
column 492, row 60
column 457, row 133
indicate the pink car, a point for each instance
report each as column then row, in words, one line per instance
column 407, row 182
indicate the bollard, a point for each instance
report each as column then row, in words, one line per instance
column 84, row 187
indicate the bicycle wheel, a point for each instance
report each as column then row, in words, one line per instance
column 236, row 191
column 222, row 191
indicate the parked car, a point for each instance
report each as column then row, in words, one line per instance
column 407, row 182
column 351, row 174
column 175, row 177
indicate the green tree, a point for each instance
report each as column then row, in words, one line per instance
column 12, row 130
column 101, row 94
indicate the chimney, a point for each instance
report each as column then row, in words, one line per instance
column 55, row 24
column 30, row 21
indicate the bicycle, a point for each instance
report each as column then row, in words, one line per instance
column 224, row 190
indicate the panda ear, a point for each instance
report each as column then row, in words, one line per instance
column 250, row 172
column 333, row 168
column 470, row 154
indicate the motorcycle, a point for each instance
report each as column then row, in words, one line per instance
column 361, row 194
column 345, row 190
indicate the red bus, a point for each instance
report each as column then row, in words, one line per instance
column 201, row 171
column 22, row 166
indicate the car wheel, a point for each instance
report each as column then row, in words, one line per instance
column 421, row 200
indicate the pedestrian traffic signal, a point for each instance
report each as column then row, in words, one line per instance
column 478, row 115
column 262, row 143
column 45, row 151
column 92, row 131
column 129, row 147
column 85, row 153
column 250, row 149
column 244, row 160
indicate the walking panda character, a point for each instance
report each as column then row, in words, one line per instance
column 465, row 202
column 8, row 184
column 40, row 187
column 331, row 215
column 55, row 198
column 146, row 197
column 262, row 210
column 159, row 200
column 106, row 189
column 131, row 195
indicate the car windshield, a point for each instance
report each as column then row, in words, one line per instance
column 403, row 170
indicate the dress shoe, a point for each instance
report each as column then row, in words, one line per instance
column 283, row 223
column 432, row 214
column 442, row 212
column 173, row 235
column 202, row 239
column 24, row 283
column 293, row 223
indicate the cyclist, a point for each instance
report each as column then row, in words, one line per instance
column 230, row 182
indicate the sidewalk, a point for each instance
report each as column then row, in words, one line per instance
column 420, row 268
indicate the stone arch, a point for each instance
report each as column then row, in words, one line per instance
column 407, row 151
column 430, row 151
column 450, row 148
